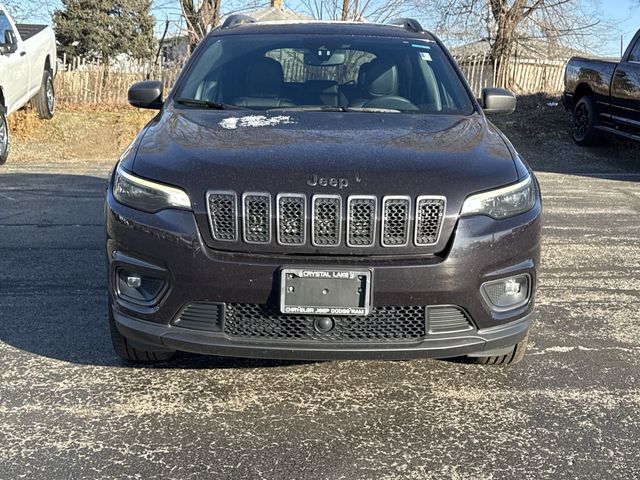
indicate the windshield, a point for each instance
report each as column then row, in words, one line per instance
column 324, row 72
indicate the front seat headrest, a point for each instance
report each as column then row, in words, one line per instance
column 265, row 78
column 382, row 78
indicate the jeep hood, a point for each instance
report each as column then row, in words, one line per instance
column 381, row 154
column 357, row 153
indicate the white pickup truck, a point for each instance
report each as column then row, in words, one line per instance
column 27, row 69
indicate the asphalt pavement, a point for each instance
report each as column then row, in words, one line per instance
column 70, row 409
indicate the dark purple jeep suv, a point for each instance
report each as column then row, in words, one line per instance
column 322, row 191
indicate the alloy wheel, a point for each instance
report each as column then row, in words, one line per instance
column 4, row 135
column 51, row 99
column 581, row 121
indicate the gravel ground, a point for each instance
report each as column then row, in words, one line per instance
column 70, row 409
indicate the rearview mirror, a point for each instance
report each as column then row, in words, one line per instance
column 323, row 57
column 498, row 100
column 147, row 94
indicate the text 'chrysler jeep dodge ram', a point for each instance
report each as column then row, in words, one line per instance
column 321, row 190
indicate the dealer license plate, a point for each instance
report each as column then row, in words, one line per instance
column 325, row 291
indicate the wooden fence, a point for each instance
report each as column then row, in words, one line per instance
column 521, row 75
column 82, row 82
column 93, row 83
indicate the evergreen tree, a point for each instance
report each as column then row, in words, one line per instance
column 102, row 29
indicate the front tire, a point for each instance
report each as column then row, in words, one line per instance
column 583, row 129
column 4, row 136
column 45, row 100
column 127, row 352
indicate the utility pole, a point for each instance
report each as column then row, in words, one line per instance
column 621, row 45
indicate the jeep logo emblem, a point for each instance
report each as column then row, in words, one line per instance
column 334, row 182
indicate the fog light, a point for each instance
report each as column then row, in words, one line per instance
column 138, row 288
column 134, row 281
column 507, row 293
column 511, row 287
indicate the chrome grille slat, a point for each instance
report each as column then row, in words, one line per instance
column 326, row 220
column 429, row 215
column 361, row 221
column 256, row 217
column 396, row 215
column 223, row 215
column 291, row 219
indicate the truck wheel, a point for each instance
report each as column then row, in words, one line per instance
column 584, row 119
column 128, row 353
column 4, row 136
column 45, row 100
column 513, row 356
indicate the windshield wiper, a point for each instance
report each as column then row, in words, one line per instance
column 330, row 108
column 372, row 109
column 206, row 104
column 309, row 108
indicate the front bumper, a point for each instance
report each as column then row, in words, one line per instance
column 168, row 245
column 153, row 336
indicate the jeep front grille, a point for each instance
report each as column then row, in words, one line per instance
column 401, row 220
column 292, row 219
column 361, row 221
column 396, row 212
column 223, row 215
column 256, row 213
column 326, row 220
column 429, row 211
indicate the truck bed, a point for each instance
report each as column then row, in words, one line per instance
column 28, row 30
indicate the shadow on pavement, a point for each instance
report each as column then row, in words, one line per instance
column 53, row 293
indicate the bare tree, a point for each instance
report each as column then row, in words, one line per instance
column 22, row 10
column 196, row 17
column 199, row 17
column 355, row 10
column 504, row 23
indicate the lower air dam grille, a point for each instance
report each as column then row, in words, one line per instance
column 384, row 324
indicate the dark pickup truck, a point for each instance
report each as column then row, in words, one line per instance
column 604, row 95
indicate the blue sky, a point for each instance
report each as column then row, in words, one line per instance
column 623, row 17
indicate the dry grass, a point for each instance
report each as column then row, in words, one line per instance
column 23, row 124
column 74, row 135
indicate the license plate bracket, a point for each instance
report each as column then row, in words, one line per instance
column 325, row 291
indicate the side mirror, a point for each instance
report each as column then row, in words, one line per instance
column 10, row 44
column 497, row 100
column 147, row 94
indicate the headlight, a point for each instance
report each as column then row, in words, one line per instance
column 141, row 194
column 503, row 202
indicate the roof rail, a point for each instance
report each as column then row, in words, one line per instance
column 408, row 24
column 235, row 20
